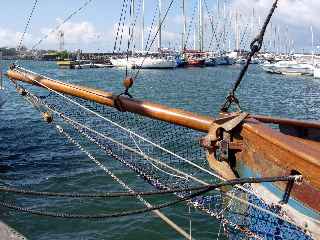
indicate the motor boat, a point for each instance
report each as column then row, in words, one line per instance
column 289, row 68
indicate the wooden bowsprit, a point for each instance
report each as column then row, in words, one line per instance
column 252, row 148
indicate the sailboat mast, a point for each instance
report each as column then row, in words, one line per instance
column 184, row 24
column 131, row 34
column 312, row 43
column 160, row 30
column 200, row 26
column 142, row 28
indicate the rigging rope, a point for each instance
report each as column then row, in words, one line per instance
column 151, row 28
column 27, row 25
column 255, row 47
column 131, row 33
column 119, row 24
column 190, row 25
column 124, row 185
column 135, row 134
column 195, row 204
column 157, row 184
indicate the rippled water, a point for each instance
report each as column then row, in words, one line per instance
column 33, row 154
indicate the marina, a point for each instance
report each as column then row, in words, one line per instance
column 197, row 141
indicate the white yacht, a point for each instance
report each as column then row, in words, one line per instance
column 155, row 63
column 289, row 68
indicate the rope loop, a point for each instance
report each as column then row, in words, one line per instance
column 256, row 44
column 231, row 99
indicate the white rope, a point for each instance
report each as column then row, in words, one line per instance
column 123, row 184
column 161, row 170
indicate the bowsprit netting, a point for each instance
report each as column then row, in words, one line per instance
column 165, row 156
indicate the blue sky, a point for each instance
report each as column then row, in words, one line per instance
column 93, row 28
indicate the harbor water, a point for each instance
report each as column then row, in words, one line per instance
column 34, row 156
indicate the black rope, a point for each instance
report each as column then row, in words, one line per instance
column 27, row 24
column 213, row 27
column 131, row 34
column 119, row 25
column 144, row 210
column 190, row 26
column 123, row 25
column 102, row 216
column 150, row 193
column 255, row 47
column 151, row 28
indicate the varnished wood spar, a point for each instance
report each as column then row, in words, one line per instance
column 145, row 108
column 286, row 152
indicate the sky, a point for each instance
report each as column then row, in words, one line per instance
column 94, row 28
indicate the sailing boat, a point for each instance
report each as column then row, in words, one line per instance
column 147, row 62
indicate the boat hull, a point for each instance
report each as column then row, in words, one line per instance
column 195, row 63
column 154, row 63
column 288, row 68
column 261, row 158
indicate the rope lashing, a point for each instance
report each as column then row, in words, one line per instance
column 255, row 47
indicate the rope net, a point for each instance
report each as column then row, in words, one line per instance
column 164, row 156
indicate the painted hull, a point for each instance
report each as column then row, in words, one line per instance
column 195, row 63
column 224, row 61
column 258, row 160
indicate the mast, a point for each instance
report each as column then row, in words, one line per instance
column 160, row 30
column 194, row 36
column 312, row 44
column 184, row 25
column 237, row 31
column 1, row 77
column 200, row 26
column 142, row 28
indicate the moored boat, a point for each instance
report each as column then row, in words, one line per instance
column 154, row 63
column 289, row 68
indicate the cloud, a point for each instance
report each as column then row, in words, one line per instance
column 9, row 38
column 293, row 12
column 76, row 34
column 296, row 15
